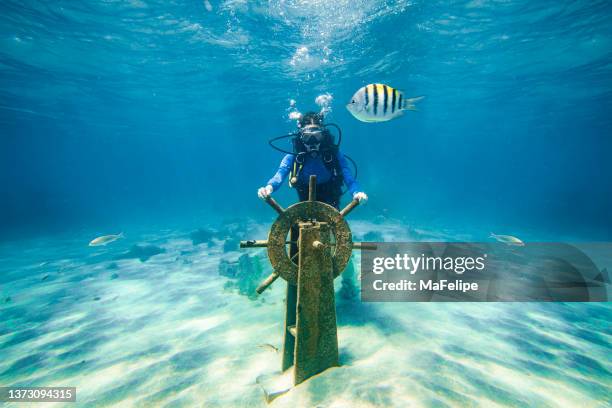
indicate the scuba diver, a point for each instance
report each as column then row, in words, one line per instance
column 314, row 153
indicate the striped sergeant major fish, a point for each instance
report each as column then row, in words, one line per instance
column 380, row 103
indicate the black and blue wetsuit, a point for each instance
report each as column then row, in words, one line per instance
column 328, row 184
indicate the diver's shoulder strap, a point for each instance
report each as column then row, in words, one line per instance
column 295, row 172
column 333, row 166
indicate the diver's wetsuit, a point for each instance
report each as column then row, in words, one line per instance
column 328, row 191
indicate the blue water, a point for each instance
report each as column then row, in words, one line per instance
column 152, row 118
column 117, row 111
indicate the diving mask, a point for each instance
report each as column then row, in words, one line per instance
column 312, row 135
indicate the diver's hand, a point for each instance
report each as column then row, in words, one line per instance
column 361, row 197
column 264, row 192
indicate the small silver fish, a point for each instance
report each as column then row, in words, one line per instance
column 268, row 346
column 380, row 103
column 105, row 239
column 508, row 239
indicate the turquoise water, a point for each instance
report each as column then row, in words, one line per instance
column 172, row 332
column 152, row 118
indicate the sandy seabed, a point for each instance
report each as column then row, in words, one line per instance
column 171, row 332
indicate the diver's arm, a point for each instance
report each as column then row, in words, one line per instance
column 353, row 186
column 347, row 174
column 281, row 174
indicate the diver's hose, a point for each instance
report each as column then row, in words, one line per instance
column 354, row 165
column 274, row 139
column 293, row 134
column 339, row 132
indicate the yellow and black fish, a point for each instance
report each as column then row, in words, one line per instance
column 380, row 103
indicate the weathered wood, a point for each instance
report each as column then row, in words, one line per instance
column 364, row 246
column 346, row 210
column 254, row 243
column 318, row 245
column 267, row 282
column 310, row 343
column 316, row 347
column 304, row 211
column 276, row 206
column 289, row 339
column 312, row 188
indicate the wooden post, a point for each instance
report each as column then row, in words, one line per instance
column 310, row 343
column 290, row 317
column 349, row 207
column 316, row 347
column 276, row 206
column 312, row 188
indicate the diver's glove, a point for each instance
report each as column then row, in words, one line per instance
column 361, row 197
column 264, row 192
